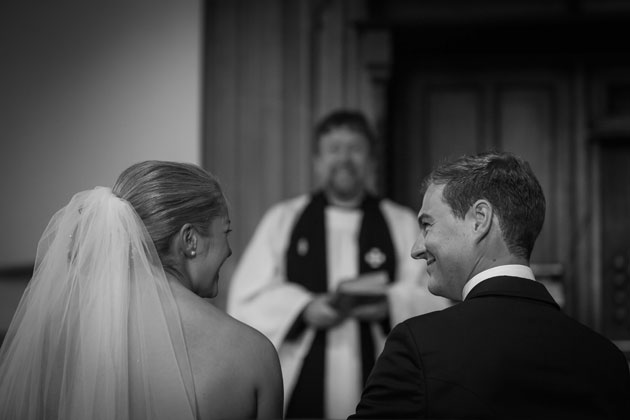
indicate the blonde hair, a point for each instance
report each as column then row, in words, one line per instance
column 167, row 195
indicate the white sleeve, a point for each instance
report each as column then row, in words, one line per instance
column 409, row 295
column 259, row 294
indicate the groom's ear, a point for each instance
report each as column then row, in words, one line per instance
column 482, row 217
column 188, row 240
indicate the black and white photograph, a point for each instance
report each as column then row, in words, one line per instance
column 315, row 209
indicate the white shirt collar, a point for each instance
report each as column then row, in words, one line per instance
column 513, row 270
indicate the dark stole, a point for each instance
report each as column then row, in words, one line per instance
column 306, row 265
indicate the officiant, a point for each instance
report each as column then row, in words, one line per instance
column 286, row 282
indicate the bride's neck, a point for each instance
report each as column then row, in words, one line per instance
column 177, row 277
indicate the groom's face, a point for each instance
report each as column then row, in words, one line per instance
column 444, row 242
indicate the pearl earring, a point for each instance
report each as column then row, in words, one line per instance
column 193, row 253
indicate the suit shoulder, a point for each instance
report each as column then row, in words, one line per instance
column 595, row 338
column 435, row 318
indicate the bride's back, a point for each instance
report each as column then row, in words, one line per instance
column 235, row 368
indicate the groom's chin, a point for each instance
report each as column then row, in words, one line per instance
column 436, row 288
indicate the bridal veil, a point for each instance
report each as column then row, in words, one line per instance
column 97, row 334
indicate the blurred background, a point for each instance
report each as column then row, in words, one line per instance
column 87, row 88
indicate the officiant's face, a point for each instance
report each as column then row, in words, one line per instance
column 343, row 162
column 212, row 251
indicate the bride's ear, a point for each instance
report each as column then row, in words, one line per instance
column 188, row 240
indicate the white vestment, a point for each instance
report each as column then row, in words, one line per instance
column 261, row 296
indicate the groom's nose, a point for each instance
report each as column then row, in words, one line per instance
column 418, row 250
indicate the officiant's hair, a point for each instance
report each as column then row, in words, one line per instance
column 350, row 119
column 167, row 195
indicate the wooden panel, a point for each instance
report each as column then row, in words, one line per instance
column 454, row 121
column 257, row 108
column 441, row 120
column 406, row 156
column 340, row 78
column 331, row 51
column 615, row 211
column 297, row 114
column 527, row 128
column 430, row 11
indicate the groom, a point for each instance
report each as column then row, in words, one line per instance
column 507, row 350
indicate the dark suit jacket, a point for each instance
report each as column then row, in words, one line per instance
column 507, row 351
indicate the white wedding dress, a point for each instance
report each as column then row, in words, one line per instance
column 97, row 334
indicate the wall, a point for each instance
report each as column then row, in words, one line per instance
column 88, row 88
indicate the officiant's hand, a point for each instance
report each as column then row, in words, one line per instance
column 320, row 314
column 371, row 312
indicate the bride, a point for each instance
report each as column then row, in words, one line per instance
column 113, row 324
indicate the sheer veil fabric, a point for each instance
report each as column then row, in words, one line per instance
column 97, row 334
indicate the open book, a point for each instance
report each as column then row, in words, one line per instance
column 362, row 290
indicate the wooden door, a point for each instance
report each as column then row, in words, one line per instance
column 459, row 108
column 610, row 150
column 614, row 189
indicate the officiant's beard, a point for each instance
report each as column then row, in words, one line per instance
column 345, row 182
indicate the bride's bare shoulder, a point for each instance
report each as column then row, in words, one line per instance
column 212, row 327
column 231, row 361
